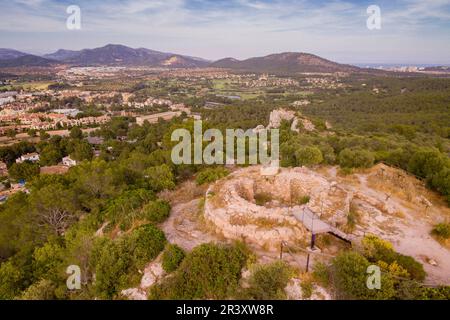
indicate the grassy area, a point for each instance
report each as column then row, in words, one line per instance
column 220, row 84
column 33, row 85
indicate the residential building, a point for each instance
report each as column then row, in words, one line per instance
column 69, row 162
column 153, row 118
column 33, row 157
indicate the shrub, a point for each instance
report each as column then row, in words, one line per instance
column 439, row 293
column 328, row 154
column 303, row 200
column 41, row 290
column 144, row 244
column 350, row 276
column 321, row 274
column 262, row 198
column 160, row 178
column 156, row 211
column 11, row 280
column 117, row 262
column 209, row 271
column 376, row 249
column 307, row 289
column 267, row 282
column 172, row 257
column 414, row 268
column 308, row 156
column 46, row 260
column 441, row 182
column 113, row 262
column 211, row 174
column 426, row 162
column 76, row 133
column 122, row 209
column 357, row 158
column 442, row 230
column 25, row 170
column 413, row 290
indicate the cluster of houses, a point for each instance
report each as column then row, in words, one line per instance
column 61, row 121
column 176, row 111
column 34, row 157
column 18, row 110
column 266, row 80
column 150, row 102
column 7, row 97
column 20, row 122
column 324, row 83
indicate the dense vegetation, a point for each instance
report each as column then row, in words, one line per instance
column 207, row 272
column 103, row 215
column 401, row 275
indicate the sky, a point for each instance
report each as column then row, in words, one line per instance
column 412, row 31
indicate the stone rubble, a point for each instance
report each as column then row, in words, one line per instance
column 231, row 206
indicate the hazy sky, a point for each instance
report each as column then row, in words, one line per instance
column 412, row 31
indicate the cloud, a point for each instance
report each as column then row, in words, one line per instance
column 217, row 28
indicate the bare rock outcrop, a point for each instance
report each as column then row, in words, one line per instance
column 277, row 116
column 153, row 273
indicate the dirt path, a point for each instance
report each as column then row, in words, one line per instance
column 410, row 234
column 184, row 228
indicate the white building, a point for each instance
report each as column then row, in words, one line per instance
column 153, row 118
column 33, row 157
column 69, row 162
column 67, row 112
column 6, row 100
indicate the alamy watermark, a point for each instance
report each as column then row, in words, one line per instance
column 374, row 279
column 73, row 21
column 374, row 20
column 74, row 280
column 231, row 150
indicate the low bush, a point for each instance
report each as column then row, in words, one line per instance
column 356, row 158
column 156, row 211
column 262, row 198
column 350, row 277
column 210, row 175
column 321, row 274
column 376, row 249
column 303, row 200
column 144, row 244
column 307, row 289
column 117, row 262
column 172, row 257
column 308, row 156
column 209, row 271
column 122, row 209
column 442, row 230
column 41, row 290
column 267, row 282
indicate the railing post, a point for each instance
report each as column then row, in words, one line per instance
column 281, row 250
column 307, row 263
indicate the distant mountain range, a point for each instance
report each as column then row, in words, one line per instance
column 288, row 62
column 7, row 54
column 438, row 69
column 108, row 55
column 121, row 55
column 285, row 62
column 23, row 60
